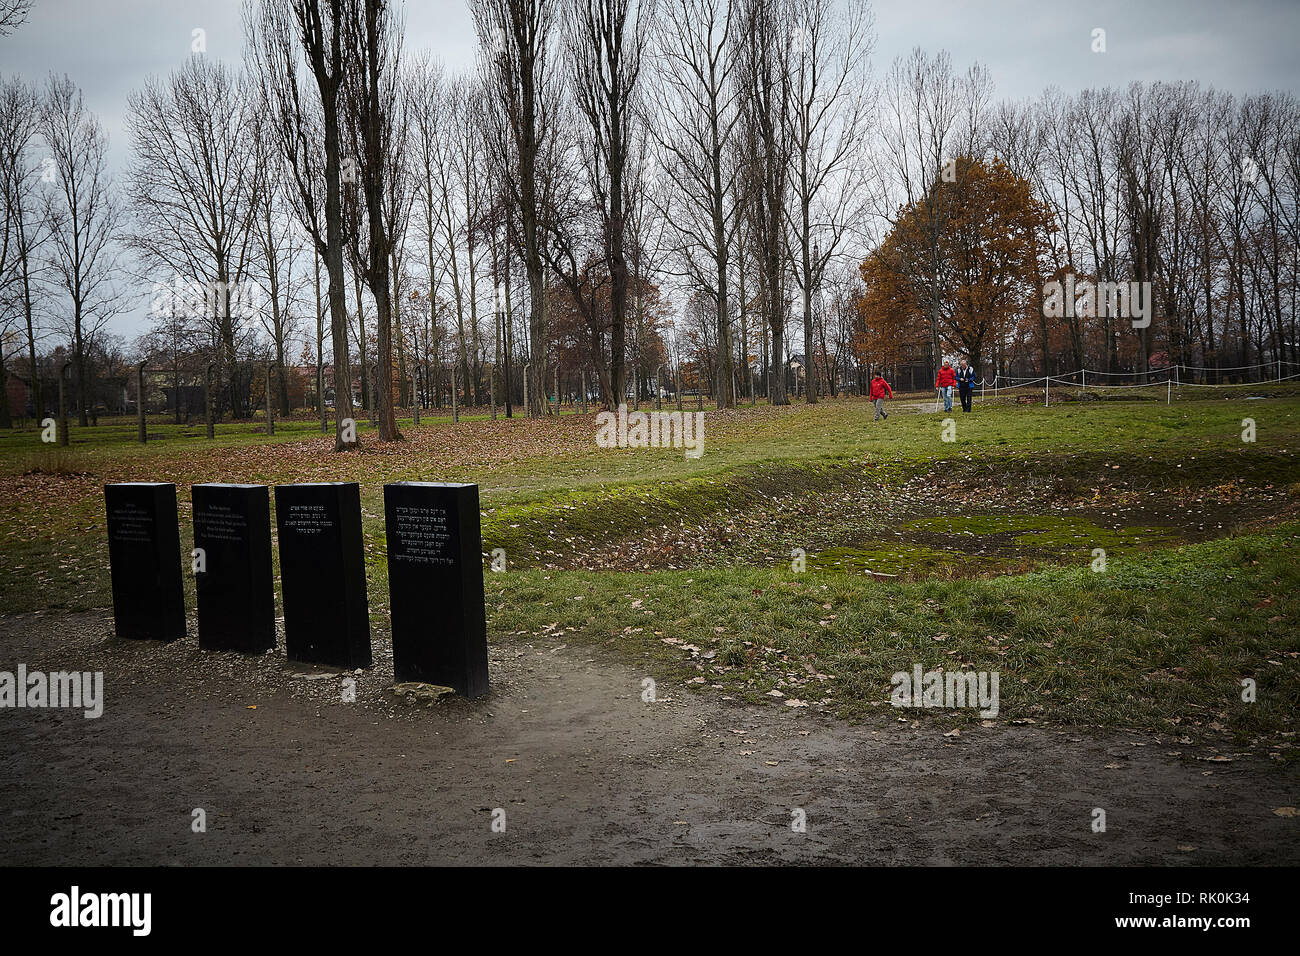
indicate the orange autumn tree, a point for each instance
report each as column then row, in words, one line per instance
column 889, row 331
column 983, row 250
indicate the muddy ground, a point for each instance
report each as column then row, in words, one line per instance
column 585, row 770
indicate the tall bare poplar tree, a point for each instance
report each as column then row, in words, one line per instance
column 604, row 42
column 284, row 38
column 827, row 125
column 373, row 120
column 86, row 217
column 26, row 229
column 692, row 114
column 516, row 39
column 765, row 40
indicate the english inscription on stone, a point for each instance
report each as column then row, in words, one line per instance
column 233, row 578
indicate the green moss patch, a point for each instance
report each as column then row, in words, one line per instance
column 884, row 558
column 1060, row 534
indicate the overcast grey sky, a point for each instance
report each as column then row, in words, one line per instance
column 109, row 46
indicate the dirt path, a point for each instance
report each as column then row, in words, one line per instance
column 916, row 408
column 585, row 771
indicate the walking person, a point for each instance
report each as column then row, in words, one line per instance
column 944, row 383
column 879, row 390
column 965, row 384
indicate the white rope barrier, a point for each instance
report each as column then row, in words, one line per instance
column 1013, row 382
column 1086, row 387
column 1170, row 383
column 1266, row 381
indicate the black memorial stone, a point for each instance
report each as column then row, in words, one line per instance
column 435, row 585
column 323, row 574
column 235, row 586
column 144, row 555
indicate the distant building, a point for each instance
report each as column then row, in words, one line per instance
column 19, row 396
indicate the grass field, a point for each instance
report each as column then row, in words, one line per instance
column 810, row 553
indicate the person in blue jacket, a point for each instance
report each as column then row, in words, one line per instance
column 965, row 384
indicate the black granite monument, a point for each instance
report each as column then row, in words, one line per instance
column 144, row 555
column 435, row 585
column 236, row 590
column 323, row 573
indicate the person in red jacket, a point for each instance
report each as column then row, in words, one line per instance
column 879, row 390
column 945, row 383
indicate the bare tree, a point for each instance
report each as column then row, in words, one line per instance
column 827, row 123
column 1142, row 197
column 1095, row 189
column 86, row 217
column 284, row 36
column 1029, row 138
column 429, row 99
column 454, row 194
column 516, row 38
column 274, row 231
column 575, row 247
column 374, row 120
column 765, row 41
column 604, row 42
column 195, row 186
column 13, row 14
column 25, row 229
column 693, row 112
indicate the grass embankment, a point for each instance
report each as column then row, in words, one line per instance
column 1160, row 641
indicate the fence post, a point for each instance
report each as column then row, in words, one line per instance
column 139, row 404
column 1047, row 391
column 1169, row 391
column 63, row 406
column 207, row 402
column 270, row 416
